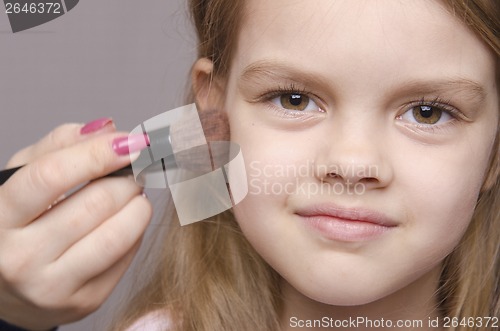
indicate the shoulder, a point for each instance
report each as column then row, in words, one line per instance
column 158, row 320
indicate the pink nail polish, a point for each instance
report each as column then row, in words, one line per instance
column 130, row 144
column 96, row 125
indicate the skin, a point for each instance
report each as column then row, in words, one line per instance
column 364, row 64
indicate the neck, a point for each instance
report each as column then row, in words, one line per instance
column 416, row 303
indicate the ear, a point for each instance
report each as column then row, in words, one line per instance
column 209, row 96
column 208, row 91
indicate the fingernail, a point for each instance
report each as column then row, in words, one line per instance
column 96, row 125
column 130, row 144
column 144, row 195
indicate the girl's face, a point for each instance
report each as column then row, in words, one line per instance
column 366, row 128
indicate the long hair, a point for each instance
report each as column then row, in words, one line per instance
column 209, row 278
column 470, row 280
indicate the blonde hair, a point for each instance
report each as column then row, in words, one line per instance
column 470, row 281
column 209, row 278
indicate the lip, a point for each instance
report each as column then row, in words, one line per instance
column 345, row 224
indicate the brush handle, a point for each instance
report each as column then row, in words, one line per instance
column 7, row 173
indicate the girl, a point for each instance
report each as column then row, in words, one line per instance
column 370, row 137
column 391, row 111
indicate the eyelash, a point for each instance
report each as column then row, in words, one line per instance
column 437, row 102
column 290, row 89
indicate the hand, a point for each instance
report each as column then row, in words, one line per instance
column 59, row 264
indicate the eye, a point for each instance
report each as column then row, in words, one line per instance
column 295, row 101
column 426, row 114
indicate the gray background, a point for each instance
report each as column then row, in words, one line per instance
column 121, row 58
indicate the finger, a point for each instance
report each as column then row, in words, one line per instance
column 74, row 218
column 29, row 192
column 107, row 244
column 99, row 288
column 74, row 304
column 61, row 137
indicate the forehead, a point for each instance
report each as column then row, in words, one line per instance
column 363, row 39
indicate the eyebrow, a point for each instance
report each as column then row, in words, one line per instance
column 282, row 71
column 279, row 71
column 467, row 88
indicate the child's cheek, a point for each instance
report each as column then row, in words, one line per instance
column 439, row 194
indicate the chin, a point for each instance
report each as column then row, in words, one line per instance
column 341, row 297
column 345, row 293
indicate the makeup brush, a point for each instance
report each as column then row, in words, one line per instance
column 178, row 138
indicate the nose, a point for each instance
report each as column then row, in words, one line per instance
column 354, row 155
